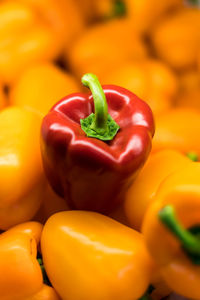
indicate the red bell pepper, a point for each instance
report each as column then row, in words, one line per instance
column 93, row 163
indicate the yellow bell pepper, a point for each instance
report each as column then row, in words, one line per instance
column 145, row 13
column 21, row 172
column 90, row 256
column 157, row 168
column 21, row 274
column 103, row 46
column 178, row 129
column 177, row 37
column 34, row 30
column 150, row 79
column 171, row 230
column 189, row 93
column 41, row 86
column 32, row 229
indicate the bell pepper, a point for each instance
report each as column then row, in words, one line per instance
column 21, row 172
column 144, row 14
column 151, row 80
column 179, row 34
column 158, row 167
column 21, row 274
column 171, row 228
column 33, row 31
column 91, row 164
column 103, row 258
column 103, row 46
column 174, row 132
column 40, row 86
column 32, row 229
column 189, row 93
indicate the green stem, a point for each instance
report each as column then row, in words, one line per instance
column 101, row 108
column 193, row 156
column 44, row 274
column 100, row 124
column 189, row 242
column 119, row 8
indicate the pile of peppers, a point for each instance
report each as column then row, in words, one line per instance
column 99, row 173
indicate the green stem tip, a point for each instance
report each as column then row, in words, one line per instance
column 190, row 242
column 100, row 124
column 193, row 156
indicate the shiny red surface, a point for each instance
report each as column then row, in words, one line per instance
column 91, row 174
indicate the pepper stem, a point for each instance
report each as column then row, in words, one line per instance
column 189, row 242
column 101, row 108
column 193, row 156
column 100, row 124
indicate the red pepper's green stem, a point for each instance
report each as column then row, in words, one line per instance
column 189, row 241
column 101, row 108
column 100, row 124
column 193, row 156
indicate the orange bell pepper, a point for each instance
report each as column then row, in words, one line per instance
column 41, row 86
column 21, row 172
column 176, row 38
column 150, row 79
column 22, row 280
column 34, row 30
column 145, row 13
column 157, row 168
column 103, row 258
column 33, row 229
column 189, row 90
column 103, row 46
column 178, row 129
column 23, row 277
column 171, row 230
column 46, row 293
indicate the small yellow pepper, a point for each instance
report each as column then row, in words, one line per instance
column 171, row 228
column 22, row 276
column 151, row 80
column 144, row 14
column 157, row 168
column 178, row 129
column 33, row 31
column 21, row 172
column 176, row 38
column 103, row 46
column 41, row 86
column 90, row 256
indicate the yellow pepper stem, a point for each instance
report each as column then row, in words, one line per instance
column 189, row 241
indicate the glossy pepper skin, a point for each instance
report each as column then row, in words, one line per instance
column 179, row 261
column 90, row 173
column 158, row 166
column 103, row 258
column 21, row 172
column 21, row 277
